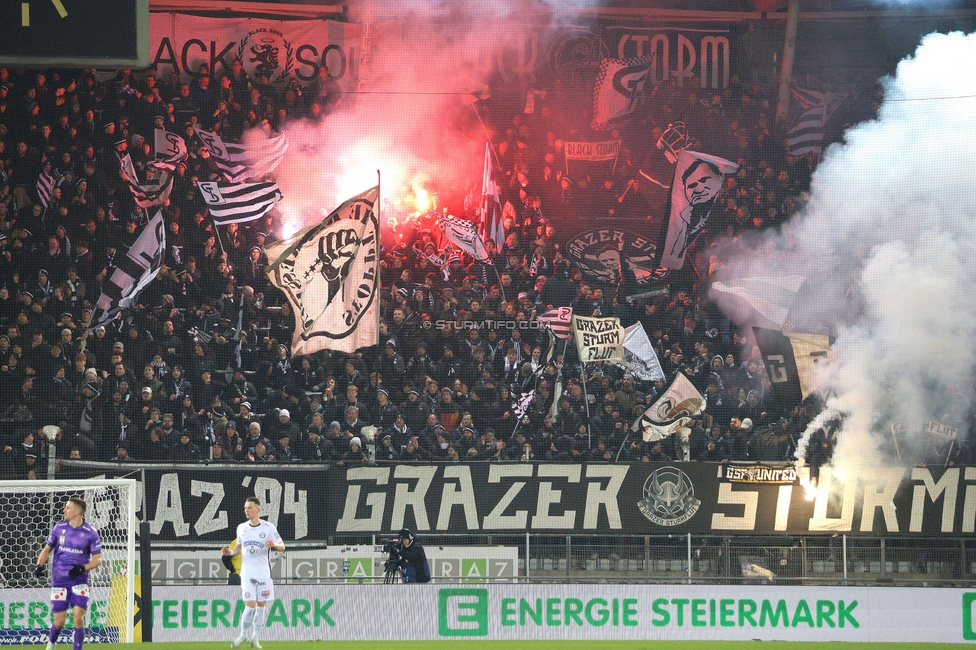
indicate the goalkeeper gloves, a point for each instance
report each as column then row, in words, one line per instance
column 76, row 570
column 39, row 571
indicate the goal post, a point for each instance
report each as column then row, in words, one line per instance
column 28, row 512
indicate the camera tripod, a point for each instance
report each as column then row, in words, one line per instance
column 394, row 573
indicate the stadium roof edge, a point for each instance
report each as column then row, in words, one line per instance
column 636, row 12
column 237, row 6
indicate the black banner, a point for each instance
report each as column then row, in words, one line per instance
column 312, row 503
column 777, row 354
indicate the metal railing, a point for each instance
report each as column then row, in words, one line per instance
column 695, row 559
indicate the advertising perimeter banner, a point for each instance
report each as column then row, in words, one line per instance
column 523, row 612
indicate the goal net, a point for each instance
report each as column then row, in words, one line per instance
column 28, row 511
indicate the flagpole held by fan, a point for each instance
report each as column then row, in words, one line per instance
column 219, row 242
column 379, row 238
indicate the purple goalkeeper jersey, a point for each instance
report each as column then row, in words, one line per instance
column 72, row 546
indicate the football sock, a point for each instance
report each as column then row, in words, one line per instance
column 246, row 622
column 259, row 620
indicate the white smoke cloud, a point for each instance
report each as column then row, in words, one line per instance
column 888, row 239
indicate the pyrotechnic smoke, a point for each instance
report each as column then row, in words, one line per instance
column 888, row 240
column 413, row 119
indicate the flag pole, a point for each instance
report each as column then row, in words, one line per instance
column 586, row 397
column 622, row 445
column 379, row 246
column 217, row 233
column 586, row 403
column 487, row 136
column 491, row 263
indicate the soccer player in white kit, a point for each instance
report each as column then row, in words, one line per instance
column 255, row 539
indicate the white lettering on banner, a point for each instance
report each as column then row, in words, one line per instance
column 496, row 518
column 277, row 49
column 412, row 485
column 598, row 338
column 548, row 496
column 884, row 498
column 820, row 521
column 597, row 496
column 211, row 518
column 296, row 503
column 461, row 494
column 414, row 499
column 969, row 505
column 686, row 60
column 268, row 491
column 713, row 55
column 518, row 56
column 592, row 151
column 375, row 501
column 747, row 498
column 169, row 506
column 783, row 498
column 947, row 487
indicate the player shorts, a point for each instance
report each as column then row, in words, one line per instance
column 64, row 597
column 259, row 589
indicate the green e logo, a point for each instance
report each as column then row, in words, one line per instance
column 968, row 633
column 462, row 612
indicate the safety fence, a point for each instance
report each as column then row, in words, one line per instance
column 676, row 559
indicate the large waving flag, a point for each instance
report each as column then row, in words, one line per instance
column 558, row 320
column 790, row 361
column 639, row 355
column 491, row 226
column 238, row 203
column 807, row 132
column 169, row 147
column 134, row 272
column 698, row 179
column 46, row 183
column 330, row 274
column 154, row 191
column 767, row 299
column 238, row 162
column 672, row 410
column 464, row 235
column 618, row 89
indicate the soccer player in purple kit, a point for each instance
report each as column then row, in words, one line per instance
column 77, row 551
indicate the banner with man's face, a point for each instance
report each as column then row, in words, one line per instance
column 697, row 182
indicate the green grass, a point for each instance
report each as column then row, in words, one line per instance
column 548, row 645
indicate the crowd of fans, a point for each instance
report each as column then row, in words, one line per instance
column 162, row 383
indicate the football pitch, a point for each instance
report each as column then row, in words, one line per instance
column 551, row 645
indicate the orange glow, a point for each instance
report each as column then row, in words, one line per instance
column 422, row 200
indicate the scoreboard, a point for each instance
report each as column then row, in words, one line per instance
column 82, row 33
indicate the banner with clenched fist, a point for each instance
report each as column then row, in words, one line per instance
column 330, row 273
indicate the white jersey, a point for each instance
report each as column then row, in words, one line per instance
column 255, row 556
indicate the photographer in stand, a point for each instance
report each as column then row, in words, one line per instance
column 412, row 558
